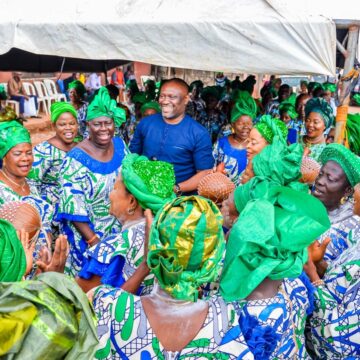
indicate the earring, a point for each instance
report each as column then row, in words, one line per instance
column 343, row 200
column 131, row 211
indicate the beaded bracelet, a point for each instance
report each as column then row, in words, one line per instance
column 93, row 241
column 318, row 283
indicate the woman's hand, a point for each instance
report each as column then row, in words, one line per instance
column 317, row 250
column 57, row 262
column 28, row 249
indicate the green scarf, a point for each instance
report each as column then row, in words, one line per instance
column 151, row 105
column 329, row 87
column 151, row 182
column 244, row 105
column 103, row 105
column 61, row 107
column 12, row 133
column 353, row 132
column 270, row 237
column 186, row 245
column 12, row 255
column 288, row 106
column 269, row 127
column 49, row 315
column 348, row 161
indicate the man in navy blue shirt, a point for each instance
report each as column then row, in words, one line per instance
column 175, row 137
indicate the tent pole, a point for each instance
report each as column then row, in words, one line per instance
column 343, row 108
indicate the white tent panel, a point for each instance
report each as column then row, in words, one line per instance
column 251, row 36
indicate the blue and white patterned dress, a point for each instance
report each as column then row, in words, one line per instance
column 335, row 324
column 116, row 258
column 234, row 159
column 86, row 184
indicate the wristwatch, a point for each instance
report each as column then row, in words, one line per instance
column 177, row 190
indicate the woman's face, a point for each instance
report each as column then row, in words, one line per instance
column 121, row 201
column 242, row 127
column 66, row 128
column 229, row 212
column 101, row 130
column 255, row 143
column 285, row 117
column 18, row 161
column 315, row 125
column 331, row 185
column 73, row 96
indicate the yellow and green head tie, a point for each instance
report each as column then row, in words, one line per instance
column 348, row 161
column 270, row 237
column 151, row 105
column 78, row 86
column 12, row 255
column 12, row 133
column 151, row 182
column 186, row 245
column 244, row 105
column 270, row 127
column 59, row 108
column 103, row 105
column 8, row 114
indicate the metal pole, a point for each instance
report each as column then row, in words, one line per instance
column 342, row 109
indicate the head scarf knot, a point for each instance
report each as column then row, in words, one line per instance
column 103, row 105
column 151, row 182
column 348, row 161
column 12, row 133
column 186, row 245
column 321, row 107
column 244, row 105
column 12, row 255
column 270, row 127
column 58, row 108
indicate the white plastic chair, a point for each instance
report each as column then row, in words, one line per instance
column 42, row 93
column 52, row 90
column 42, row 100
column 13, row 103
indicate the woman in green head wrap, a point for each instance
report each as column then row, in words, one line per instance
column 231, row 150
column 271, row 227
column 150, row 108
column 185, row 250
column 49, row 155
column 16, row 153
column 318, row 120
column 142, row 184
column 87, row 176
column 77, row 93
column 334, row 187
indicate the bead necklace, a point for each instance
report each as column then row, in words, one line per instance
column 21, row 186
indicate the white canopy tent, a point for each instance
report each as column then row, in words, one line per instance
column 248, row 36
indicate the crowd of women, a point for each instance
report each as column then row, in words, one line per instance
column 99, row 258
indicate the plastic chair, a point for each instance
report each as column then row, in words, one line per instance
column 13, row 103
column 42, row 100
column 42, row 93
column 52, row 90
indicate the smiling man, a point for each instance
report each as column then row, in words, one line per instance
column 175, row 137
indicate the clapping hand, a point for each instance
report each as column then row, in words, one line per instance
column 317, row 250
column 28, row 249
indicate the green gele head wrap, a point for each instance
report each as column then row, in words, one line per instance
column 12, row 133
column 244, row 105
column 12, row 255
column 61, row 107
column 321, row 107
column 329, row 87
column 288, row 106
column 211, row 91
column 186, row 245
column 348, row 161
column 283, row 222
column 8, row 114
column 356, row 98
column 313, row 85
column 353, row 132
column 139, row 97
column 269, row 127
column 151, row 182
column 151, row 105
column 78, row 86
column 103, row 105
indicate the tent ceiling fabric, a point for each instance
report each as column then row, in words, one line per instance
column 21, row 60
column 251, row 36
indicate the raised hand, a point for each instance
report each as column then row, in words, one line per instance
column 28, row 249
column 317, row 250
